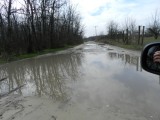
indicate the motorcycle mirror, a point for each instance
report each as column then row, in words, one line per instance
column 147, row 61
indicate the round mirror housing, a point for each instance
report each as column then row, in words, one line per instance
column 147, row 58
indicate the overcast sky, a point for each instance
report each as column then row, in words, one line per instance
column 100, row 12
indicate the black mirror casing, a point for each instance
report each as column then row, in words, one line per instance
column 147, row 62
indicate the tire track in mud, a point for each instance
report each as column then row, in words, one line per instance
column 8, row 104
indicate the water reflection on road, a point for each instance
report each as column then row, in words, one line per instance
column 44, row 76
column 101, row 80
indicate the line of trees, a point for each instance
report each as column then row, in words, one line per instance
column 130, row 32
column 154, row 25
column 126, row 34
column 36, row 25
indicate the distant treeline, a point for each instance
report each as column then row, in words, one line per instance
column 35, row 25
column 131, row 33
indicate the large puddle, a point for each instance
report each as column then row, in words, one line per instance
column 94, row 82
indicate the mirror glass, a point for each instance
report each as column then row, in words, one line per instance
column 153, row 59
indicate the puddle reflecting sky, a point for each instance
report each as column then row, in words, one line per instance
column 92, row 77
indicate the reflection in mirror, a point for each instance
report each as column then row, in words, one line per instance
column 151, row 64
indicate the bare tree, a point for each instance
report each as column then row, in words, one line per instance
column 154, row 25
column 129, row 28
column 38, row 25
column 130, row 24
column 112, row 29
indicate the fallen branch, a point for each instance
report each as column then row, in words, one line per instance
column 6, row 94
column 2, row 79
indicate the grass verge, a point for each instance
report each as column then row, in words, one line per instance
column 130, row 46
column 24, row 56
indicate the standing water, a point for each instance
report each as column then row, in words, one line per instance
column 90, row 82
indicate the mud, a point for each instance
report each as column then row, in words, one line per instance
column 89, row 82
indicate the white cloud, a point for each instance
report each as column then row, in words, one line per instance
column 99, row 12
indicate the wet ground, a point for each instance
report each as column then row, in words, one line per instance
column 89, row 82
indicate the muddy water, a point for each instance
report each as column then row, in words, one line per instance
column 90, row 82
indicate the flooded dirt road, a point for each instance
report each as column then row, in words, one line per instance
column 88, row 82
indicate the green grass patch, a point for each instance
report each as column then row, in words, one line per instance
column 134, row 46
column 126, row 46
column 24, row 56
column 2, row 61
column 148, row 40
